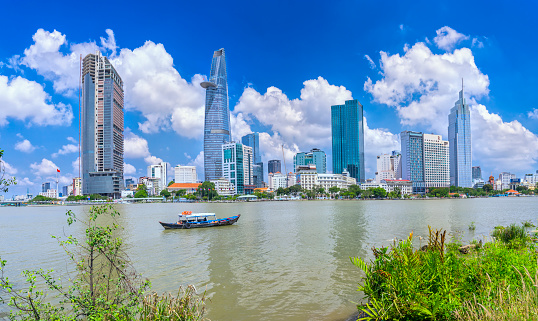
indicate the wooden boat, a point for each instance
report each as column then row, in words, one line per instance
column 189, row 220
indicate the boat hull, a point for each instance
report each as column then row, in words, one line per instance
column 220, row 222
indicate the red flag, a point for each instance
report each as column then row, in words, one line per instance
column 58, row 170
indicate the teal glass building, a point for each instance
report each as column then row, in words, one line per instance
column 348, row 139
column 412, row 161
column 217, row 116
column 314, row 157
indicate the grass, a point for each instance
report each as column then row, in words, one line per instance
column 472, row 226
column 495, row 281
column 186, row 306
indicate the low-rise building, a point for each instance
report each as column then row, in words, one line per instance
column 307, row 177
column 276, row 181
column 52, row 193
column 342, row 181
column 292, row 179
column 374, row 184
column 405, row 186
column 189, row 188
column 77, row 186
column 125, row 194
column 223, row 187
column 185, row 174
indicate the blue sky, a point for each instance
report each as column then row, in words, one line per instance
column 287, row 63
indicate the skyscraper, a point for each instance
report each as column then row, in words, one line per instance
column 102, row 127
column 217, row 116
column 253, row 140
column 477, row 172
column 315, row 156
column 412, row 162
column 274, row 166
column 159, row 173
column 348, row 139
column 459, row 137
column 237, row 165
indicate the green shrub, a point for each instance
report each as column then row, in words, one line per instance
column 512, row 234
column 472, row 226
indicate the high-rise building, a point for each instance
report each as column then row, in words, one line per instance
column 253, row 140
column 185, row 174
column 217, row 116
column 348, row 139
column 159, row 173
column 477, row 172
column 77, row 186
column 413, row 159
column 388, row 167
column 274, row 166
column 102, row 127
column 45, row 187
column 425, row 160
column 459, row 137
column 237, row 165
column 315, row 156
column 436, row 161
column 505, row 178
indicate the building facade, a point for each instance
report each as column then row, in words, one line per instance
column 307, row 177
column 253, row 140
column 405, row 186
column 185, row 174
column 45, row 187
column 342, row 181
column 505, row 178
column 274, row 166
column 388, row 166
column 348, row 139
column 315, row 156
column 277, row 180
column 217, row 116
column 77, row 186
column 102, row 127
column 412, row 160
column 237, row 165
column 159, row 174
column 436, row 161
column 476, row 172
column 459, row 137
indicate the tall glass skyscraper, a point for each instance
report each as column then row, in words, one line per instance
column 102, row 127
column 217, row 116
column 253, row 140
column 348, row 139
column 459, row 137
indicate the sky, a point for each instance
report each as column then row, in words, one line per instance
column 287, row 63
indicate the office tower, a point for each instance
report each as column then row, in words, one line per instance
column 348, row 139
column 436, row 161
column 237, row 165
column 185, row 174
column 459, row 137
column 425, row 160
column 45, row 187
column 158, row 173
column 388, row 167
column 102, row 127
column 477, row 172
column 217, row 116
column 253, row 140
column 314, row 157
column 274, row 166
column 412, row 162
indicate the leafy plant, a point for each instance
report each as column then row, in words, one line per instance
column 527, row 224
column 472, row 226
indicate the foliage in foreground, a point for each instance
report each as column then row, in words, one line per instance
column 437, row 282
column 103, row 285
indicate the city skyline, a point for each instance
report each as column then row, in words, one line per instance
column 287, row 100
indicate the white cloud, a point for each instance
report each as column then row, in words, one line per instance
column 137, row 147
column 128, row 169
column 25, row 100
column 72, row 140
column 152, row 85
column 434, row 79
column 402, row 27
column 9, row 170
column 66, row 149
column 199, row 163
column 25, row 146
column 533, row 114
column 503, row 146
column 477, row 43
column 75, row 165
column 45, row 168
column 306, row 119
column 371, row 62
column 447, row 38
column 25, row 182
column 152, row 160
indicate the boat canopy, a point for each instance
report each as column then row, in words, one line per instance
column 196, row 216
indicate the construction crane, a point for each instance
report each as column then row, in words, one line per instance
column 285, row 168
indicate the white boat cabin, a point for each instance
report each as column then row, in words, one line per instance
column 196, row 217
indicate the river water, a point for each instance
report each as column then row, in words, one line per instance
column 281, row 261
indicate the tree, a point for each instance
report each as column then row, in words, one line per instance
column 280, row 191
column 379, row 192
column 165, row 193
column 333, row 190
column 367, row 193
column 5, row 182
column 356, row 189
column 207, row 189
column 171, row 182
column 141, row 191
column 487, row 188
column 181, row 192
column 295, row 189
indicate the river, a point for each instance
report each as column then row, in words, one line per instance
column 281, row 261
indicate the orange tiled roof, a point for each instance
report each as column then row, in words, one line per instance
column 185, row 185
column 512, row 191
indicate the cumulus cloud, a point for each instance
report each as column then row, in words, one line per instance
column 533, row 114
column 75, row 165
column 45, row 168
column 152, row 84
column 25, row 146
column 25, row 100
column 66, row 149
column 434, row 79
column 128, row 169
column 137, row 147
column 504, row 146
column 198, row 161
column 9, row 170
column 447, row 38
column 25, row 182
